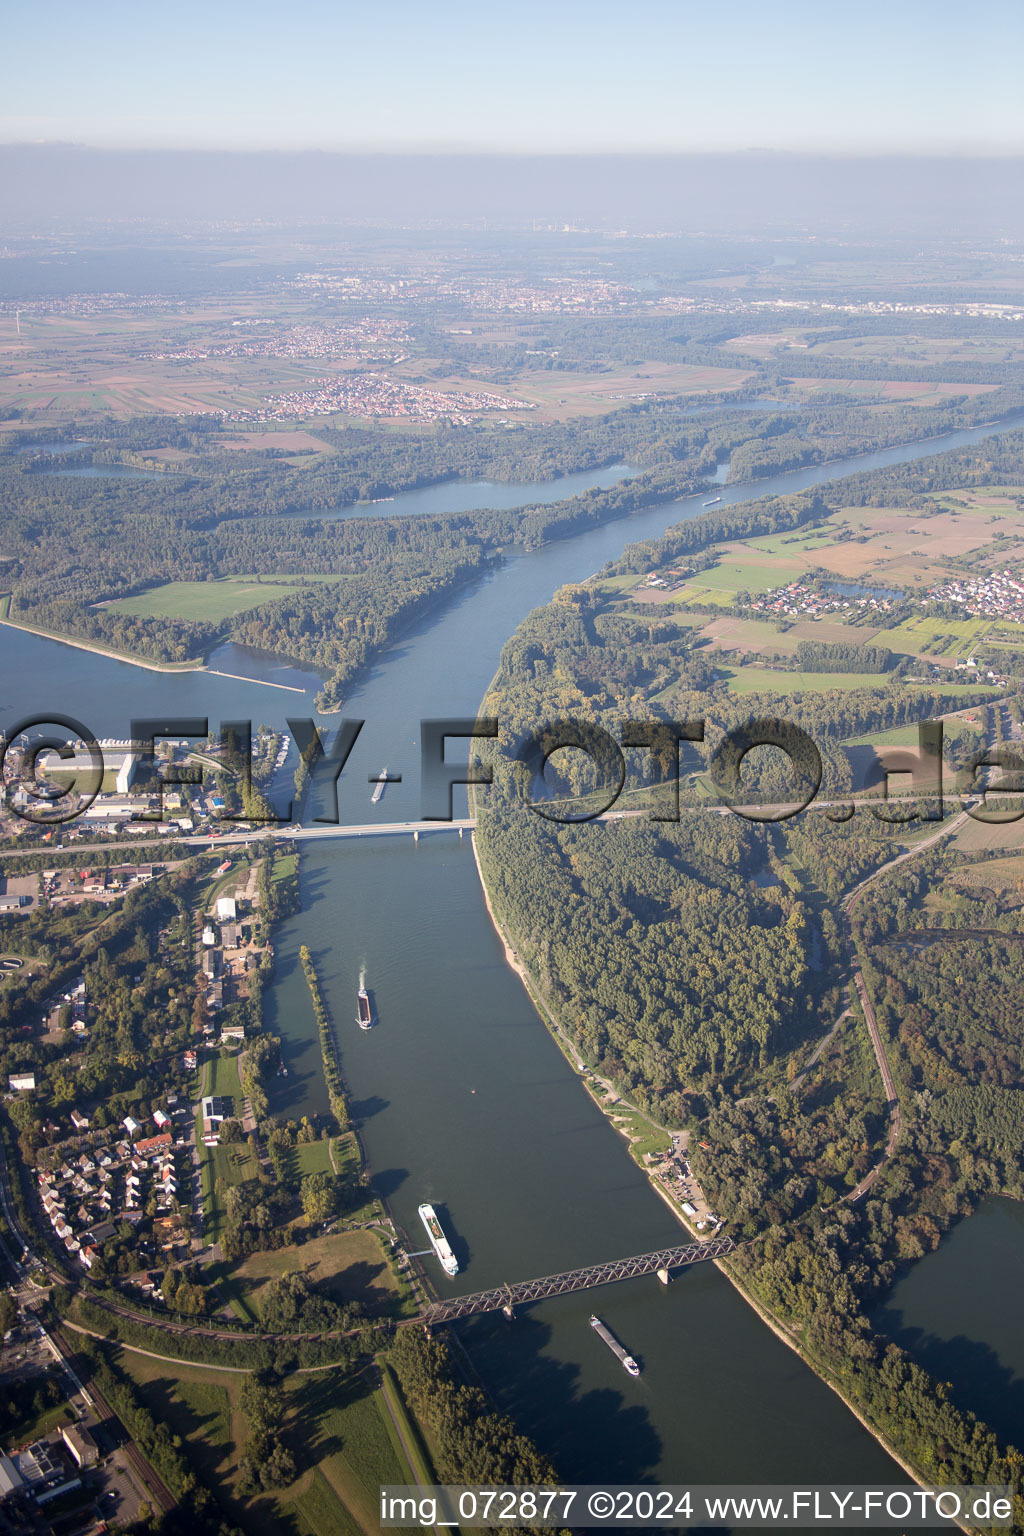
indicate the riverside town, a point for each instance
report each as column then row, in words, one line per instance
column 79, row 764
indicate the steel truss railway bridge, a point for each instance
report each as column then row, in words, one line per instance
column 506, row 1297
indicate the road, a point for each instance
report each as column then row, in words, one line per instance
column 870, row 1017
column 299, row 832
column 150, row 1479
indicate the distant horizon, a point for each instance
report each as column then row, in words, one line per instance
column 669, row 77
column 471, row 152
column 721, row 192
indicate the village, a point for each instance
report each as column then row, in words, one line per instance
column 997, row 595
column 373, row 395
column 99, row 1178
column 800, row 598
column 373, row 339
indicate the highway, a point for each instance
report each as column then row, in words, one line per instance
column 312, row 832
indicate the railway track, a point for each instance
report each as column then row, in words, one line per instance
column 144, row 1470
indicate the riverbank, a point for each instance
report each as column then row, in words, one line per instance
column 782, row 1333
column 611, row 1101
column 725, row 1266
column 108, row 652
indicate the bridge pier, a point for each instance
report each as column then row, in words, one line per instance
column 664, row 1277
column 509, row 1314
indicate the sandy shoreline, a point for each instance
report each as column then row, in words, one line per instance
column 171, row 668
column 108, row 655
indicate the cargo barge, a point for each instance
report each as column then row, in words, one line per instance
column 440, row 1244
column 364, row 1015
column 382, row 779
column 616, row 1348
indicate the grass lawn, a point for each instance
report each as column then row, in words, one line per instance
column 285, row 865
column 209, row 600
column 321, row 1512
column 227, row 882
column 234, row 1164
column 345, row 1431
column 643, row 1136
column 764, row 680
column 347, row 1155
column 203, row 1411
column 26, row 1430
column 344, row 1440
column 313, row 1157
column 392, row 1394
column 222, row 1078
column 348, row 1266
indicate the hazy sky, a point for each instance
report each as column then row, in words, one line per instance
column 874, row 75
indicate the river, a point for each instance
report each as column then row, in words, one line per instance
column 958, row 1312
column 472, row 495
column 463, row 1096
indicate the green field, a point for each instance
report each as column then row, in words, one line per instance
column 227, row 882
column 347, row 1428
column 765, row 680
column 731, row 575
column 794, row 543
column 978, row 836
column 347, row 1266
column 315, row 1157
column 234, row 1164
column 222, row 1079
column 195, row 1405
column 937, row 637
column 285, row 865
column 321, row 1512
column 643, row 1137
column 751, row 635
column 899, row 736
column 210, row 600
column 309, row 1157
column 338, row 1430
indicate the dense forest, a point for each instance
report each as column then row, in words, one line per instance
column 698, row 962
column 73, row 545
